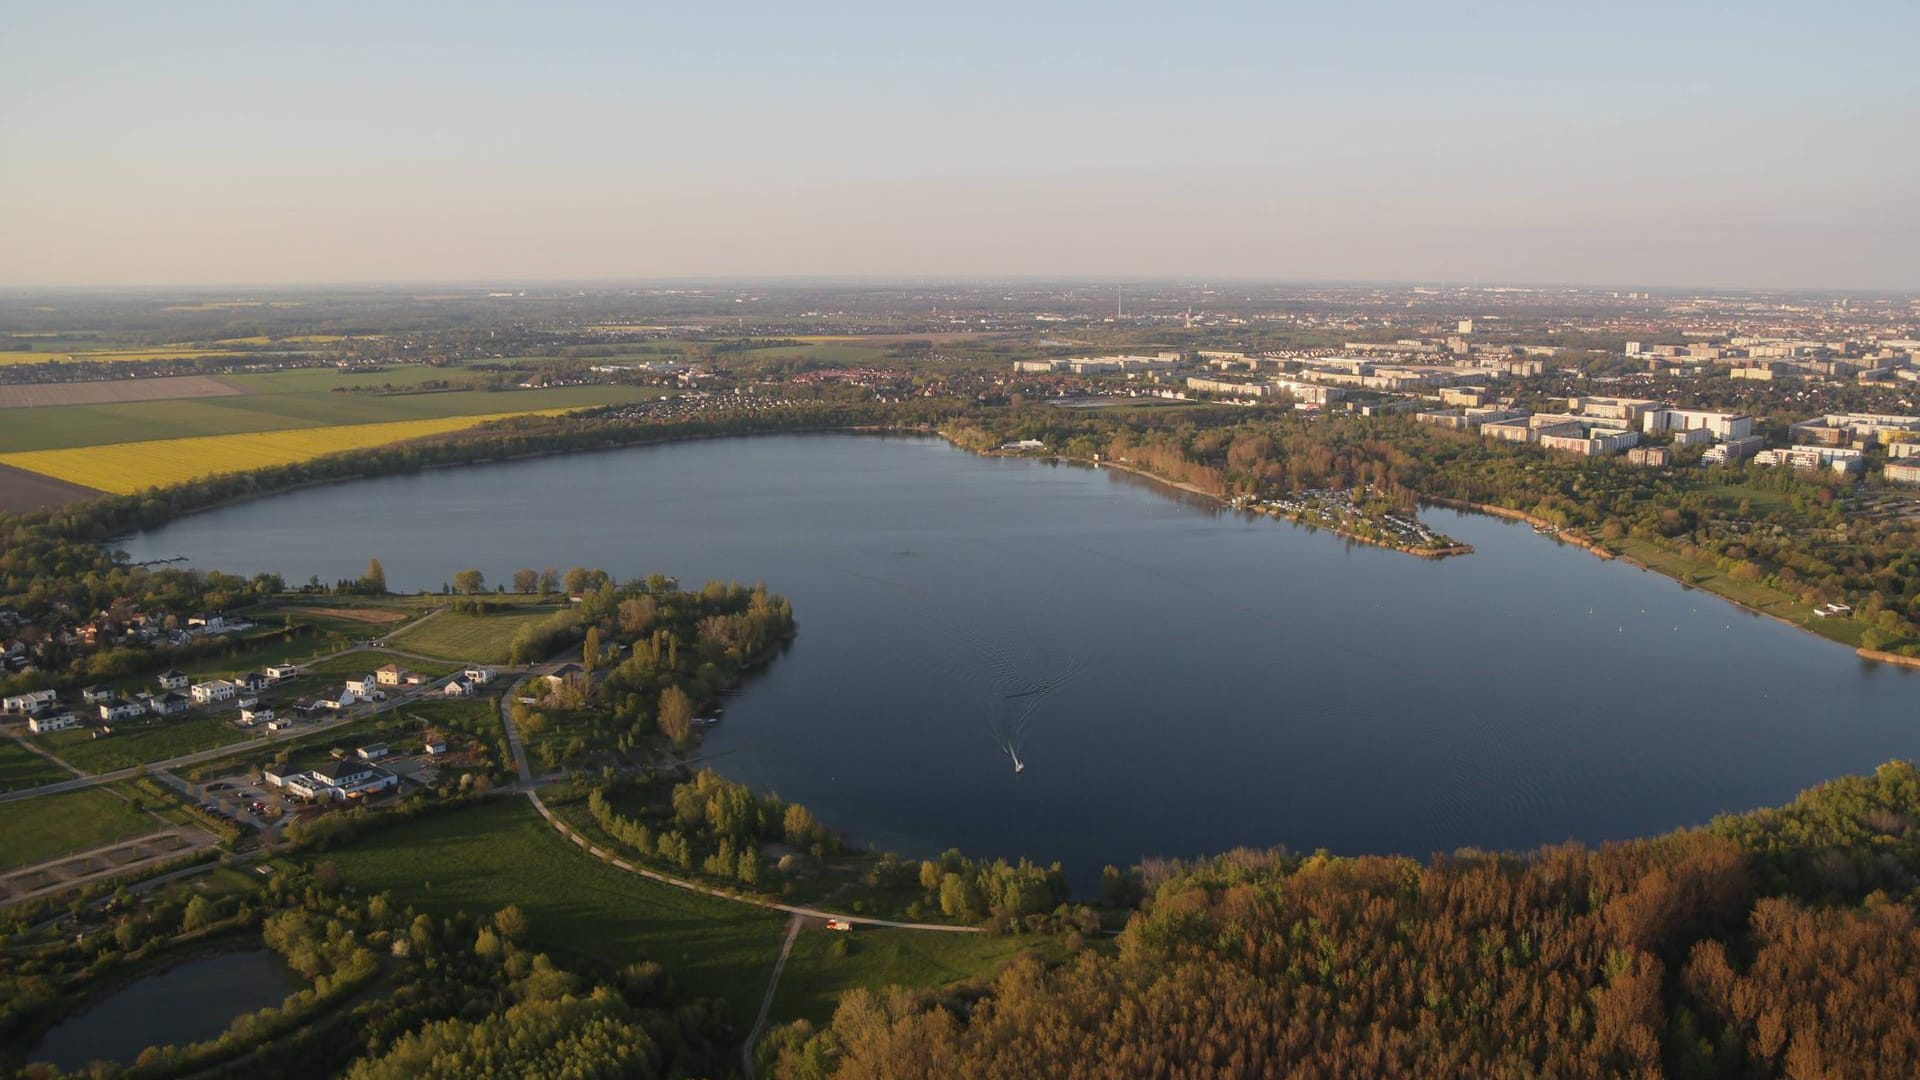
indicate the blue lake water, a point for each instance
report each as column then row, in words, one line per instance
column 1178, row 679
column 186, row 1003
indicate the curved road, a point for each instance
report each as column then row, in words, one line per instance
column 527, row 787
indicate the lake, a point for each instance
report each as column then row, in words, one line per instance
column 187, row 1003
column 1177, row 678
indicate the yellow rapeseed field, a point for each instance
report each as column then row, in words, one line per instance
column 16, row 356
column 124, row 468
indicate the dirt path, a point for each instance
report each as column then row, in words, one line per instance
column 766, row 1003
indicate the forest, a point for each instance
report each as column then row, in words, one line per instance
column 1778, row 943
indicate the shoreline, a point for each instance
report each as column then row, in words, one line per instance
column 1389, row 545
column 1601, row 552
column 1592, row 547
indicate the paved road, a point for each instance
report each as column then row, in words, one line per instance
column 426, row 693
column 680, row 883
column 766, row 1003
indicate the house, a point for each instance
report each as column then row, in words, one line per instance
column 207, row 693
column 255, row 715
column 169, row 704
column 253, row 682
column 115, row 710
column 365, row 686
column 478, row 676
column 391, row 675
column 53, row 721
column 458, row 686
column 373, row 751
column 31, row 701
column 435, row 745
column 347, row 778
column 345, row 699
column 279, row 672
column 95, row 695
column 280, row 724
column 561, row 674
column 248, row 702
column 216, row 624
column 174, row 680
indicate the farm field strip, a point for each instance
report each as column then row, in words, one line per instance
column 277, row 407
column 113, row 391
column 19, row 356
column 124, row 468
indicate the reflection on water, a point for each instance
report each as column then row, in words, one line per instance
column 1233, row 680
column 187, row 1003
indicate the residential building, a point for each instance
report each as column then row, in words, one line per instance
column 94, row 695
column 1721, row 425
column 31, row 701
column 1733, row 450
column 1838, row 458
column 54, row 721
column 346, row 778
column 117, row 710
column 390, row 675
column 1654, row 456
column 1903, row 472
column 280, row 672
column 207, row 693
column 256, row 715
column 174, row 680
column 478, row 676
column 172, row 703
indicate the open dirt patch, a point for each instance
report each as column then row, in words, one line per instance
column 376, row 616
column 21, row 491
column 114, row 391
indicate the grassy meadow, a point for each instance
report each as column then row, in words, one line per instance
column 138, row 743
column 34, row 830
column 479, row 638
column 22, row 768
column 825, row 963
column 481, row 858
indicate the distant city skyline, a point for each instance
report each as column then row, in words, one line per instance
column 1770, row 145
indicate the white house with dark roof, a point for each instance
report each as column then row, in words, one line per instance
column 345, row 778
column 174, row 680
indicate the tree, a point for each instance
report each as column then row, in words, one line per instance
column 676, row 715
column 576, row 580
column 590, row 651
column 526, row 581
column 375, row 579
column 200, row 914
column 549, row 581
column 469, row 581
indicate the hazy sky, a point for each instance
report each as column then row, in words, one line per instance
column 1752, row 143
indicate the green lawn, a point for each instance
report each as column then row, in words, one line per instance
column 34, row 830
column 482, row 858
column 815, row 977
column 22, row 768
column 477, row 638
column 366, row 660
column 1753, row 594
column 61, row 426
column 136, row 744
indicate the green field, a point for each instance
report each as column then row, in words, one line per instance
column 22, row 768
column 482, row 858
column 1753, row 594
column 64, row 426
column 815, row 977
column 137, row 744
column 364, row 661
column 478, row 638
column 34, row 830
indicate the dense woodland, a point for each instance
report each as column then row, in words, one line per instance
column 1783, row 942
